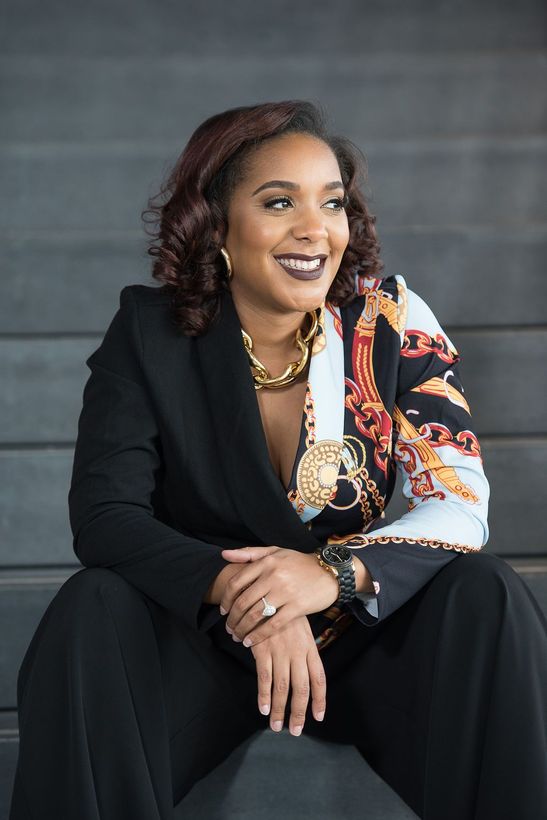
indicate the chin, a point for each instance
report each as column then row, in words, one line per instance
column 311, row 300
column 304, row 304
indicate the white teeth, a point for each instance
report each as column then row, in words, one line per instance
column 300, row 264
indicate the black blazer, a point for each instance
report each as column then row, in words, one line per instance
column 171, row 463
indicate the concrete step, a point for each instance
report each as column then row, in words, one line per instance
column 49, row 373
column 247, row 784
column 9, row 746
column 515, row 467
column 242, row 28
column 269, row 776
column 376, row 95
column 25, row 595
column 35, row 530
column 435, row 182
column 47, row 276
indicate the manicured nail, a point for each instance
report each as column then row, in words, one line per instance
column 277, row 725
column 236, row 639
column 247, row 642
column 222, row 610
column 265, row 708
column 296, row 730
column 320, row 715
column 229, row 629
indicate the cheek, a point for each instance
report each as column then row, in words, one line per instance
column 257, row 236
column 342, row 237
column 266, row 237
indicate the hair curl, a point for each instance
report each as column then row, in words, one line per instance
column 191, row 221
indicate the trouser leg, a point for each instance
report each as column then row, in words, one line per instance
column 447, row 698
column 122, row 708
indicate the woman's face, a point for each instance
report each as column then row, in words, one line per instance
column 289, row 203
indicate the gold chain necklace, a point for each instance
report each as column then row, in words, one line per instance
column 304, row 343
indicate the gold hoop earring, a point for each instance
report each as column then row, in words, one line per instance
column 226, row 256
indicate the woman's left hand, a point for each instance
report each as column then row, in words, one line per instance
column 293, row 581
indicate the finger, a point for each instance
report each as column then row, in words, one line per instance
column 300, row 686
column 318, row 681
column 239, row 581
column 271, row 625
column 264, row 679
column 236, row 556
column 281, row 670
column 247, row 554
column 247, row 610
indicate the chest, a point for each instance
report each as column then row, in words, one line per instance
column 281, row 412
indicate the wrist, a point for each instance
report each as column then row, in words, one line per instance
column 363, row 579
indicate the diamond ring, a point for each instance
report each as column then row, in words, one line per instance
column 269, row 609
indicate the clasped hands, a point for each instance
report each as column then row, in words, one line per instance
column 282, row 644
column 293, row 581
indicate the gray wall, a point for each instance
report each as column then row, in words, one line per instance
column 448, row 103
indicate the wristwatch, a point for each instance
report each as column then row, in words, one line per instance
column 338, row 560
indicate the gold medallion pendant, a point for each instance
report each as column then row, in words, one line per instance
column 318, row 471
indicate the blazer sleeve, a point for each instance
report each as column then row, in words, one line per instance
column 439, row 461
column 116, row 469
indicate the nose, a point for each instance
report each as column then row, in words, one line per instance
column 311, row 225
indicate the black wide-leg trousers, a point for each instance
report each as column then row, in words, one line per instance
column 122, row 707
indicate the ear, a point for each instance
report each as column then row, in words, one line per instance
column 215, row 236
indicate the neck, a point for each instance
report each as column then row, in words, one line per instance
column 273, row 334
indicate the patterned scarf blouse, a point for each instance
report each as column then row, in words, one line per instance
column 384, row 394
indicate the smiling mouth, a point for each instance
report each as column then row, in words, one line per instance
column 302, row 270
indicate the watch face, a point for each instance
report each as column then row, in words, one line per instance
column 337, row 554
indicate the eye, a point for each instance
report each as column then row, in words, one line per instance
column 278, row 199
column 271, row 203
column 342, row 203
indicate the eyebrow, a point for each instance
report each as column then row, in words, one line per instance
column 292, row 186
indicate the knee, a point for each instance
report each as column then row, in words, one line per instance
column 80, row 601
column 484, row 580
column 74, row 620
column 86, row 582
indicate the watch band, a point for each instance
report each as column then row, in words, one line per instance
column 345, row 577
column 346, row 580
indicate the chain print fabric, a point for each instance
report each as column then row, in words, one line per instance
column 384, row 394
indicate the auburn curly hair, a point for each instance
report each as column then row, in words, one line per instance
column 192, row 205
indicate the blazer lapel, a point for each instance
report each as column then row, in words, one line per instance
column 256, row 491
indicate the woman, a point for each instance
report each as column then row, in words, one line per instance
column 239, row 440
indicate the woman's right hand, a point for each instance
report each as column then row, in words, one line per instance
column 290, row 658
